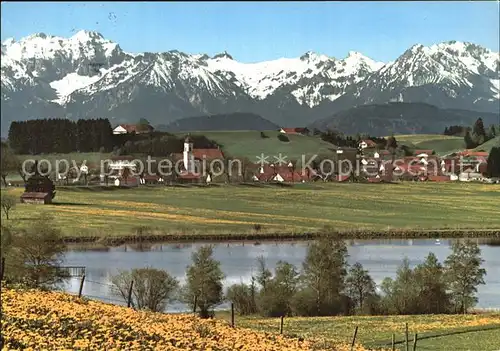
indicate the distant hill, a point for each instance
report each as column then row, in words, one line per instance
column 400, row 118
column 222, row 122
column 252, row 144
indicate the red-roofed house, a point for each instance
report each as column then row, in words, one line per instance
column 132, row 128
column 272, row 173
column 367, row 143
column 423, row 152
column 208, row 154
column 297, row 131
column 471, row 153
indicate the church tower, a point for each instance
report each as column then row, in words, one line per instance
column 188, row 155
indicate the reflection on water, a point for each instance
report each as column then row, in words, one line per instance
column 238, row 261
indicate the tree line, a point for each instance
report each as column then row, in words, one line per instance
column 475, row 135
column 44, row 136
column 325, row 285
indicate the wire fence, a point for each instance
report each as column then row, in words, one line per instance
column 403, row 342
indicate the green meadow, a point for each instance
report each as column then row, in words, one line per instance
column 434, row 332
column 308, row 207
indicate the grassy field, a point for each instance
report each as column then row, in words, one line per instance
column 487, row 146
column 420, row 138
column 250, row 144
column 442, row 147
column 376, row 331
column 80, row 211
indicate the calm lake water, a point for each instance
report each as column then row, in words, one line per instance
column 238, row 262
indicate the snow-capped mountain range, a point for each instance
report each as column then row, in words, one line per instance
column 88, row 76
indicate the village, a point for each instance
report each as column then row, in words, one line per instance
column 366, row 163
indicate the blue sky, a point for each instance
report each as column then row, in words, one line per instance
column 257, row 31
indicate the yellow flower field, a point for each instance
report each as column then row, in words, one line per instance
column 35, row 320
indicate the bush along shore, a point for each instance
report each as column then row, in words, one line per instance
column 346, row 235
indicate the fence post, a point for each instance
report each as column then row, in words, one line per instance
column 406, row 337
column 393, row 342
column 232, row 315
column 354, row 338
column 129, row 300
column 81, row 286
column 281, row 324
column 2, row 268
column 415, row 342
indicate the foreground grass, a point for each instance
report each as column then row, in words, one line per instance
column 81, row 211
column 488, row 340
column 51, row 320
column 376, row 331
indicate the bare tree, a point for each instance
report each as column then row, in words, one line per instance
column 8, row 202
column 36, row 254
column 152, row 288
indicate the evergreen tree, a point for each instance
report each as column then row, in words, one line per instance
column 492, row 132
column 464, row 274
column 469, row 142
column 478, row 132
column 478, row 128
column 493, row 165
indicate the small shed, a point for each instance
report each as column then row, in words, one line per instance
column 36, row 198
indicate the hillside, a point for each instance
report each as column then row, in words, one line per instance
column 487, row 146
column 443, row 146
column 231, row 121
column 250, row 144
column 400, row 118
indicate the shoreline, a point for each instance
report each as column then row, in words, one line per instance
column 111, row 241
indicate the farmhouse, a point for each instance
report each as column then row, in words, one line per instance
column 39, row 189
column 286, row 173
column 423, row 153
column 118, row 163
column 132, row 129
column 367, row 144
column 294, row 131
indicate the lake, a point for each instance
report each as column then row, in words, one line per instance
column 238, row 261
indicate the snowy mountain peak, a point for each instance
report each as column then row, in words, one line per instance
column 355, row 54
column 313, row 56
column 223, row 55
column 85, row 35
column 87, row 75
column 8, row 41
column 37, row 35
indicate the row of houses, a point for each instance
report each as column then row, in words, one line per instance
column 379, row 167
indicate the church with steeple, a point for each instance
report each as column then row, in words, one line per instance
column 193, row 160
column 188, row 156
